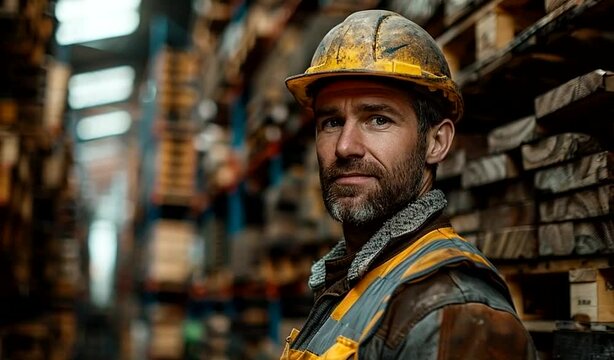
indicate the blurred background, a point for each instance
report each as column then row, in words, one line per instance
column 159, row 191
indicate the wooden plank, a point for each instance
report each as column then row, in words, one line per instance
column 574, row 91
column 556, row 239
column 507, row 216
column 466, row 24
column 594, row 237
column 515, row 53
column 510, row 243
column 513, row 134
column 582, row 105
column 590, row 170
column 493, row 32
column 556, row 149
column 583, row 238
column 551, row 5
column 580, row 205
column 488, row 170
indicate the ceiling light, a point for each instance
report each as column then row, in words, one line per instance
column 104, row 27
column 88, row 20
column 70, row 10
column 100, row 87
column 103, row 125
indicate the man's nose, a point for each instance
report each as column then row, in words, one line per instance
column 350, row 142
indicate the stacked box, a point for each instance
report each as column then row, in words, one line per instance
column 176, row 161
column 592, row 296
column 170, row 245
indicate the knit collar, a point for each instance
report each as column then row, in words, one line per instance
column 405, row 221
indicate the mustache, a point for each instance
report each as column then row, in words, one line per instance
column 343, row 166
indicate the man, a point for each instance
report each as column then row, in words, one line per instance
column 401, row 284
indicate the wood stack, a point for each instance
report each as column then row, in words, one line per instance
column 480, row 30
column 170, row 246
column 177, row 162
column 574, row 170
column 542, row 191
column 166, row 337
column 40, row 256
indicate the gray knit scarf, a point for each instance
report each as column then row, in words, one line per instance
column 406, row 220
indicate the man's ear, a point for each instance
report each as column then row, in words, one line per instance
column 439, row 140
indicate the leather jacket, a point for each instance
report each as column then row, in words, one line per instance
column 453, row 306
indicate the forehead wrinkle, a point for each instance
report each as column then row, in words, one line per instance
column 377, row 107
column 327, row 111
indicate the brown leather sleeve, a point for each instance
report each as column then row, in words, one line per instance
column 476, row 331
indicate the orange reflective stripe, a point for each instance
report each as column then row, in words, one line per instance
column 386, row 268
column 433, row 258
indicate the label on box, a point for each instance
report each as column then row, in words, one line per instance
column 584, row 299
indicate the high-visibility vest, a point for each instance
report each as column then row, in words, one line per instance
column 355, row 317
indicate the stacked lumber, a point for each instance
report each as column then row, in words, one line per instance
column 166, row 337
column 176, row 155
column 574, row 170
column 480, row 30
column 40, row 254
column 540, row 190
column 169, row 252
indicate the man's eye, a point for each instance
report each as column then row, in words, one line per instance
column 330, row 123
column 379, row 120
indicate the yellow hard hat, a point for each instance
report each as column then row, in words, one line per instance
column 380, row 43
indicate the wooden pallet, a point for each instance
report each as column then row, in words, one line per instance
column 513, row 134
column 484, row 33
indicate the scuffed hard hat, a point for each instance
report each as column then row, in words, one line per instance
column 380, row 43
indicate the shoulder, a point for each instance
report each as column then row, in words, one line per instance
column 454, row 294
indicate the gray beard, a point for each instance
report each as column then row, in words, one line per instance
column 394, row 190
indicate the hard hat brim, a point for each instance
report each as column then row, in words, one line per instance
column 299, row 86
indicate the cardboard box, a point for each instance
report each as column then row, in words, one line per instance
column 592, row 294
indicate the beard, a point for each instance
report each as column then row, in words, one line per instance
column 359, row 206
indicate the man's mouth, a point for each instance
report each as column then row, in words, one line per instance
column 353, row 178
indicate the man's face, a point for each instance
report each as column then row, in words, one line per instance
column 370, row 154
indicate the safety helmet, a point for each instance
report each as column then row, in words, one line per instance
column 380, row 43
